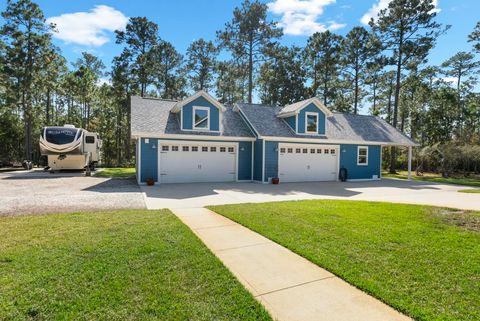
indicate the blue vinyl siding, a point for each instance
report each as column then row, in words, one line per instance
column 149, row 159
column 348, row 159
column 301, row 119
column 202, row 102
column 292, row 122
column 271, row 160
column 257, row 160
column 244, row 161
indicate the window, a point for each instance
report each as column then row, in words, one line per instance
column 290, row 150
column 185, row 148
column 223, row 149
column 174, row 148
column 362, row 155
column 201, row 118
column 298, row 150
column 282, row 150
column 194, row 148
column 305, row 150
column 332, row 151
column 89, row 139
column 213, row 149
column 311, row 123
column 204, row 149
column 325, row 151
column 312, row 151
column 319, row 150
column 165, row 148
column 230, row 149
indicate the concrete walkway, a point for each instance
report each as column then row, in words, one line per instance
column 289, row 286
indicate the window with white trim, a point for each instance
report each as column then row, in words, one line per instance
column 290, row 150
column 311, row 123
column 185, row 148
column 231, row 149
column 213, row 149
column 362, row 155
column 201, row 118
column 223, row 149
column 194, row 148
column 165, row 148
column 174, row 148
column 204, row 149
column 282, row 150
column 312, row 150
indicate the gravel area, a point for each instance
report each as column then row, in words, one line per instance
column 39, row 192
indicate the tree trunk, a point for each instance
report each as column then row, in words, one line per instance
column 393, row 151
column 47, row 108
column 250, row 69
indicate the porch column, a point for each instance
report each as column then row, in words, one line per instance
column 409, row 163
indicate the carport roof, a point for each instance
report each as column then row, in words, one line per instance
column 152, row 116
column 340, row 127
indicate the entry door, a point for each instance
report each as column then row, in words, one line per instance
column 308, row 162
column 194, row 162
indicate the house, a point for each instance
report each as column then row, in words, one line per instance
column 200, row 140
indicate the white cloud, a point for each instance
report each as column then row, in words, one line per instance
column 300, row 17
column 88, row 28
column 382, row 4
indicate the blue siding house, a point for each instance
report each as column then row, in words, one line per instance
column 200, row 140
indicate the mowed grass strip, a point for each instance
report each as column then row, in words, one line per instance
column 437, row 178
column 125, row 265
column 116, row 172
column 470, row 191
column 423, row 261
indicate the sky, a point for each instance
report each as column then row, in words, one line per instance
column 88, row 25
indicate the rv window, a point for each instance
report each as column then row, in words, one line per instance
column 60, row 136
column 89, row 139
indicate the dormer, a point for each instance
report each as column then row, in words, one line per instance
column 199, row 112
column 306, row 117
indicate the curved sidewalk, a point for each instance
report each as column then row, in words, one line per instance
column 289, row 286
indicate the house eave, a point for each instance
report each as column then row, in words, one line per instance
column 138, row 135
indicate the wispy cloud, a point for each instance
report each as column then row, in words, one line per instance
column 88, row 28
column 300, row 17
column 380, row 5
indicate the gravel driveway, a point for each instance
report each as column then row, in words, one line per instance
column 38, row 192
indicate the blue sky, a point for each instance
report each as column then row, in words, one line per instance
column 87, row 25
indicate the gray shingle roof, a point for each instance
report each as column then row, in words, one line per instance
column 340, row 126
column 152, row 116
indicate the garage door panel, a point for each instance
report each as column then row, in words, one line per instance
column 194, row 162
column 302, row 163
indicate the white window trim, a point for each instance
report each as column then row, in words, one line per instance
column 309, row 113
column 358, row 155
column 195, row 108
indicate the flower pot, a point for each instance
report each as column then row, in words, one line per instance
column 275, row 180
column 150, row 182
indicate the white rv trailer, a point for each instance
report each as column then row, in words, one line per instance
column 68, row 147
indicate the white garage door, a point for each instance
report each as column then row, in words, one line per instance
column 196, row 162
column 307, row 162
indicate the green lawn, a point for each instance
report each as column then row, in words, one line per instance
column 433, row 177
column 424, row 261
column 126, row 265
column 116, row 172
column 471, row 190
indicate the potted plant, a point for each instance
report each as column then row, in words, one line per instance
column 150, row 181
column 275, row 180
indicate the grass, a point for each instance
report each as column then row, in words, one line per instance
column 433, row 177
column 125, row 265
column 116, row 172
column 423, row 261
column 471, row 191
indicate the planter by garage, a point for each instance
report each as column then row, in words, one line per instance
column 150, row 182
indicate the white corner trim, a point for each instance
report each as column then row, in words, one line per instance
column 139, row 160
column 317, row 116
column 358, row 155
column 195, row 108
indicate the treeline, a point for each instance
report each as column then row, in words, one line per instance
column 382, row 70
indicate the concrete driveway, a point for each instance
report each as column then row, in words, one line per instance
column 39, row 192
column 387, row 190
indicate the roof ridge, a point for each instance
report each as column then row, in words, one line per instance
column 155, row 98
column 351, row 114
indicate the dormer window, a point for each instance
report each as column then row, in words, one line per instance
column 201, row 118
column 311, row 123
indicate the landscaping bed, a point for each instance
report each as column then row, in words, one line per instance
column 124, row 265
column 423, row 261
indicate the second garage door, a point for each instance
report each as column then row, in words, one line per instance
column 307, row 162
column 196, row 162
